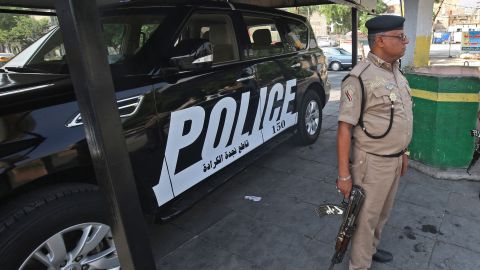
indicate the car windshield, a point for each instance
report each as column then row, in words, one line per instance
column 344, row 52
column 126, row 37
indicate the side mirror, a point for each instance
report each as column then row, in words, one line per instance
column 192, row 54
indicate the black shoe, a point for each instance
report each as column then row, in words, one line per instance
column 382, row 256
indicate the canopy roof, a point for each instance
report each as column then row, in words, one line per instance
column 367, row 5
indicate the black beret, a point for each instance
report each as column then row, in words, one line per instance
column 384, row 23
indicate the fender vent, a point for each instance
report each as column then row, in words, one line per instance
column 126, row 107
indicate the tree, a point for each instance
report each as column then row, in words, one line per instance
column 364, row 17
column 338, row 15
column 341, row 16
column 19, row 31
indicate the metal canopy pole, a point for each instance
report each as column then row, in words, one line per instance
column 92, row 81
column 354, row 36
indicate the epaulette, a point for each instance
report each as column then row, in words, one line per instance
column 357, row 70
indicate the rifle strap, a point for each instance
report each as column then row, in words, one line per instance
column 356, row 72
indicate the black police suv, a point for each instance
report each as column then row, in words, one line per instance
column 197, row 87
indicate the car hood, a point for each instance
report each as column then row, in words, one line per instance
column 26, row 91
column 11, row 83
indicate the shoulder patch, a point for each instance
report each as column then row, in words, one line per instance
column 348, row 95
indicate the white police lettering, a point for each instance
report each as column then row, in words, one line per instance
column 270, row 120
column 230, row 106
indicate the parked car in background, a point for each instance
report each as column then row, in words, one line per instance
column 337, row 58
column 326, row 41
column 5, row 57
column 198, row 87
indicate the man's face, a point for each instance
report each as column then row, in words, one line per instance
column 393, row 43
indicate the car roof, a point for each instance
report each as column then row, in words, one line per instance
column 204, row 4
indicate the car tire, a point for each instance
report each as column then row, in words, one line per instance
column 309, row 118
column 51, row 222
column 335, row 66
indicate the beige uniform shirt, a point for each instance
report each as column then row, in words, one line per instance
column 382, row 81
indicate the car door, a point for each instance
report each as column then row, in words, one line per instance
column 206, row 114
column 274, row 61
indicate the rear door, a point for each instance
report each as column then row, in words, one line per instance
column 275, row 60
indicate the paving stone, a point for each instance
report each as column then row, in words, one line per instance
column 461, row 232
column 295, row 166
column 199, row 254
column 267, row 245
column 464, row 187
column 201, row 216
column 309, row 190
column 329, row 229
column 317, row 255
column 329, row 122
column 417, row 177
column 407, row 253
column 166, row 237
column 464, row 205
column 286, row 212
column 448, row 257
column 430, row 197
column 405, row 214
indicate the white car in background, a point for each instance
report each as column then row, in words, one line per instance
column 325, row 41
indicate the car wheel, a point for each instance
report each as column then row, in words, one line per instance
column 59, row 227
column 309, row 118
column 335, row 66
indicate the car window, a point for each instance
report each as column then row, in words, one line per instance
column 344, row 52
column 328, row 51
column 265, row 37
column 216, row 28
column 124, row 36
column 298, row 35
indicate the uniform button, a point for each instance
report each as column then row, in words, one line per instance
column 361, row 161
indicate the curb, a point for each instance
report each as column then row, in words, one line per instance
column 449, row 174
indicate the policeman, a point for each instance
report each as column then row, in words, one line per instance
column 376, row 108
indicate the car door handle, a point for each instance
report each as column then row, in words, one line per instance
column 245, row 78
column 296, row 65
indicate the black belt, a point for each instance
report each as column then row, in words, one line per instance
column 399, row 154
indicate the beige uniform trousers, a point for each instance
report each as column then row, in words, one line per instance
column 379, row 177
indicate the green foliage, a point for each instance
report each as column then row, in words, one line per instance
column 20, row 29
column 364, row 17
column 340, row 16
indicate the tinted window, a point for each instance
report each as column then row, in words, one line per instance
column 216, row 28
column 124, row 35
column 297, row 35
column 265, row 37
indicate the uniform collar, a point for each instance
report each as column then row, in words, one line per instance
column 379, row 62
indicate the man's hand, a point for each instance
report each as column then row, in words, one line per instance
column 404, row 165
column 345, row 187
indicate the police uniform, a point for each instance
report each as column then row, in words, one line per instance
column 379, row 141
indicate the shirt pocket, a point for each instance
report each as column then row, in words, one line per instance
column 379, row 101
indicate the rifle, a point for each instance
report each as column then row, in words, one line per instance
column 352, row 209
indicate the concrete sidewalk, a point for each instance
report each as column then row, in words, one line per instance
column 434, row 223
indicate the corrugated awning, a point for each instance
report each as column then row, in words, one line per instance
column 367, row 5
